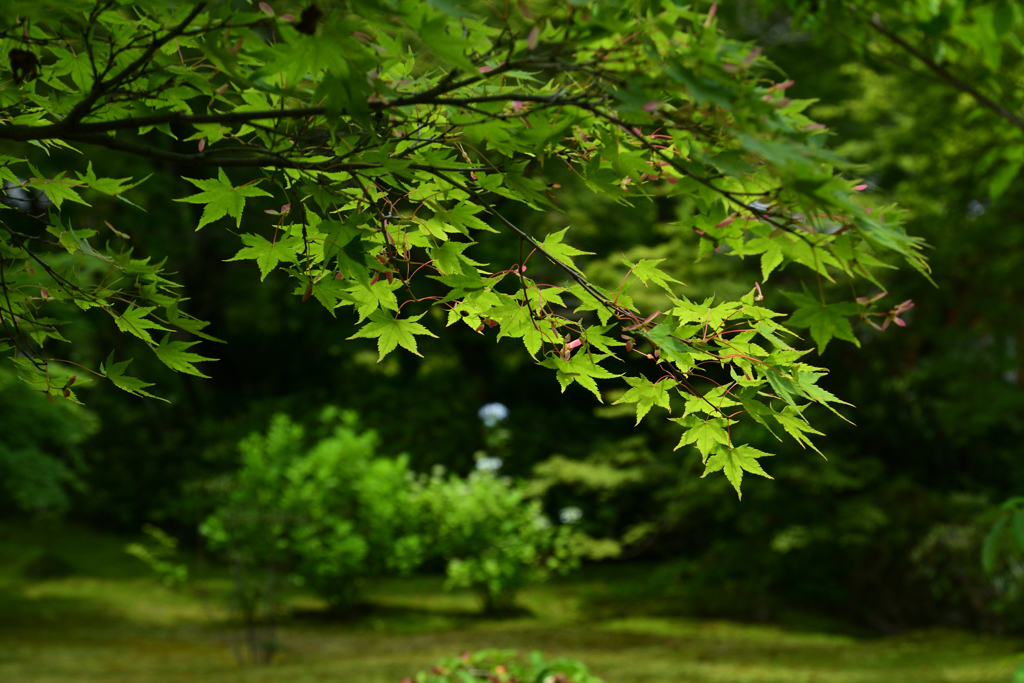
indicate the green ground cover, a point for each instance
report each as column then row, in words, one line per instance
column 74, row 607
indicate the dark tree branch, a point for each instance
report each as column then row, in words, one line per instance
column 945, row 75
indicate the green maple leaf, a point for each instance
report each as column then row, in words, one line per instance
column 58, row 190
column 581, row 368
column 111, row 186
column 736, row 461
column 392, row 332
column 176, row 356
column 706, row 434
column 771, row 258
column 449, row 259
column 794, row 423
column 825, row 320
column 115, row 373
column 647, row 270
column 554, row 247
column 588, row 302
column 221, row 198
column 134, row 321
column 267, row 254
column 369, row 298
column 645, row 394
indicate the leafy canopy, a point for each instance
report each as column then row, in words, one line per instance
column 393, row 134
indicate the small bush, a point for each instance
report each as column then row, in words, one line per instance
column 494, row 539
column 329, row 514
column 498, row 666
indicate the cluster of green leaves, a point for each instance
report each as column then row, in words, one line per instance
column 161, row 556
column 502, row 666
column 494, row 539
column 40, row 458
column 329, row 514
column 393, row 132
column 973, row 47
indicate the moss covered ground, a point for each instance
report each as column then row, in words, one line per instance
column 75, row 607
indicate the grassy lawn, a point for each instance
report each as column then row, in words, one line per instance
column 99, row 617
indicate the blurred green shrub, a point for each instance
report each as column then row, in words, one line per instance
column 39, row 459
column 499, row 666
column 494, row 539
column 161, row 556
column 330, row 514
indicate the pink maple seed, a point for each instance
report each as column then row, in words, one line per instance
column 533, row 37
column 267, row 9
column 711, row 14
column 202, row 144
column 861, row 187
column 287, row 17
column 726, row 222
column 651, row 107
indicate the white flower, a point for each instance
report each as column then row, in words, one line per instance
column 570, row 515
column 493, row 413
column 489, row 464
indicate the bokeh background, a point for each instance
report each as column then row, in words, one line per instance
column 863, row 565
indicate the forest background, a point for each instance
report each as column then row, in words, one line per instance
column 886, row 533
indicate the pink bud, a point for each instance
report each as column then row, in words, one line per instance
column 858, row 188
column 516, row 105
column 267, row 8
column 202, row 144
